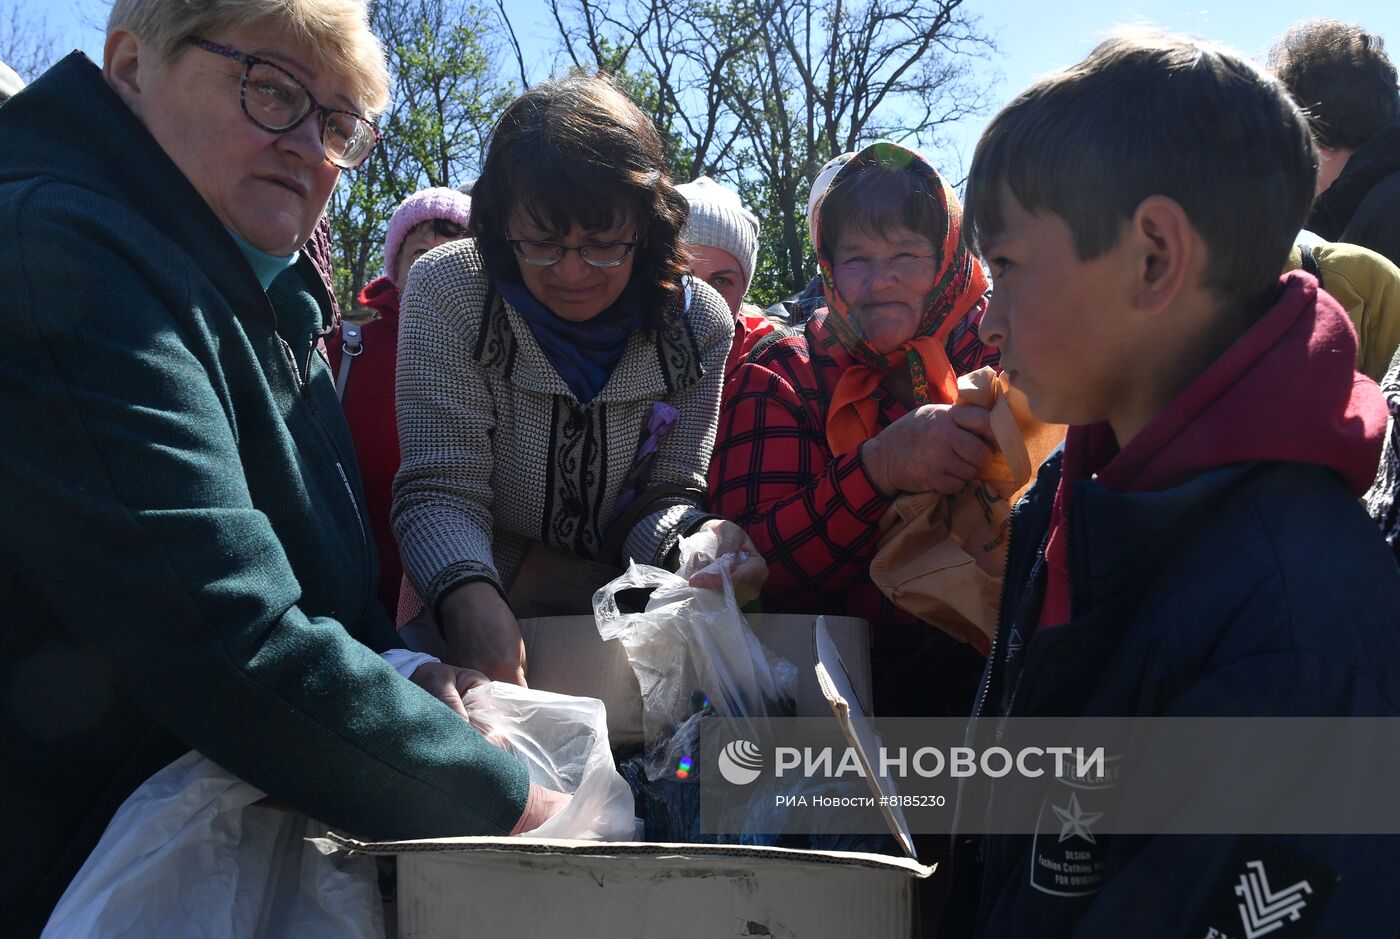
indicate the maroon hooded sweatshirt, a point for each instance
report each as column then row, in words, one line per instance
column 1287, row 389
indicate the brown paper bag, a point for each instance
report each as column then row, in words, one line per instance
column 940, row 557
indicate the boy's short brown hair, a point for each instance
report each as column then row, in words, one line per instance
column 1341, row 76
column 1152, row 114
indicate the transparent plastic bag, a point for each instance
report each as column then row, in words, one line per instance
column 563, row 742
column 193, row 853
column 693, row 653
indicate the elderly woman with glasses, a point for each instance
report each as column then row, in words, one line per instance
column 186, row 562
column 824, row 426
column 559, row 380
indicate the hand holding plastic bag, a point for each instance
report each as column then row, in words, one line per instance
column 563, row 742
column 693, row 653
column 941, row 557
column 723, row 543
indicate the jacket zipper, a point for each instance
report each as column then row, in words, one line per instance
column 292, row 363
column 349, row 491
column 304, row 389
column 1003, row 613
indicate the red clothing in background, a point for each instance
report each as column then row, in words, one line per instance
column 369, row 410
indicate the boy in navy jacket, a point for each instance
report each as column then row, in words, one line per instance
column 1197, row 548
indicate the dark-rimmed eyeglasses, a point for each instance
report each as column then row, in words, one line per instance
column 274, row 100
column 596, row 254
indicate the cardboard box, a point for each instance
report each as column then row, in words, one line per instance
column 504, row 887
column 566, row 655
column 497, row 887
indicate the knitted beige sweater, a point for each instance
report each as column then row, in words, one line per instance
column 497, row 451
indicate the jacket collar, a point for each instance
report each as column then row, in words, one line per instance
column 1133, row 531
column 1117, row 541
column 1377, row 158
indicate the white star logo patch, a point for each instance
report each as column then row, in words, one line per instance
column 1075, row 821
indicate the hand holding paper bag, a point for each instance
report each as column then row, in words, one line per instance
column 941, row 557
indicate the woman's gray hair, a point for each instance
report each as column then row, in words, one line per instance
column 336, row 32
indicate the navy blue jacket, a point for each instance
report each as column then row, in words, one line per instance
column 1252, row 589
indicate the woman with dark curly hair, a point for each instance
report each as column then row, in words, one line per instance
column 559, row 379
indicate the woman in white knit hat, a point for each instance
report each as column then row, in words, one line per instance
column 722, row 237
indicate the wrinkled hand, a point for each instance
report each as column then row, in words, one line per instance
column 934, row 448
column 749, row 575
column 447, row 683
column 482, row 633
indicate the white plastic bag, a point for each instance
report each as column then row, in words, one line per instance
column 563, row 742
column 191, row 854
column 693, row 653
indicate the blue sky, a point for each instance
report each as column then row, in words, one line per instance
column 1033, row 37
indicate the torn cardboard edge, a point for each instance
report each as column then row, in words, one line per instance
column 334, row 843
column 845, row 704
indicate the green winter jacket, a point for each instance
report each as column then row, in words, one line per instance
column 183, row 551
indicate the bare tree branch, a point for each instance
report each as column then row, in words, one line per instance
column 760, row 93
column 514, row 43
column 26, row 44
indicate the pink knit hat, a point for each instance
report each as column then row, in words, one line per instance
column 423, row 206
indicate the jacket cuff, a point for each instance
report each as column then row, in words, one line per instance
column 405, row 662
column 455, row 575
column 859, row 491
column 690, row 523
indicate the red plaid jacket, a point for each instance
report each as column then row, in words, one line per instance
column 814, row 516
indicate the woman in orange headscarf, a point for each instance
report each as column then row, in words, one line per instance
column 823, row 426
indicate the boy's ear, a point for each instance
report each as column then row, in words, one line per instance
column 1167, row 250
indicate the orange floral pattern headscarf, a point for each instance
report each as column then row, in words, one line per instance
column 958, row 285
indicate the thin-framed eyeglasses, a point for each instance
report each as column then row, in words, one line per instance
column 273, row 99
column 595, row 254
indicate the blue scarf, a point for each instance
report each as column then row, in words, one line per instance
column 584, row 354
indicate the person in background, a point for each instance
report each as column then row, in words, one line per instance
column 1367, row 285
column 1342, row 78
column 559, row 378
column 721, row 237
column 10, row 83
column 365, row 355
column 795, row 310
column 185, row 563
